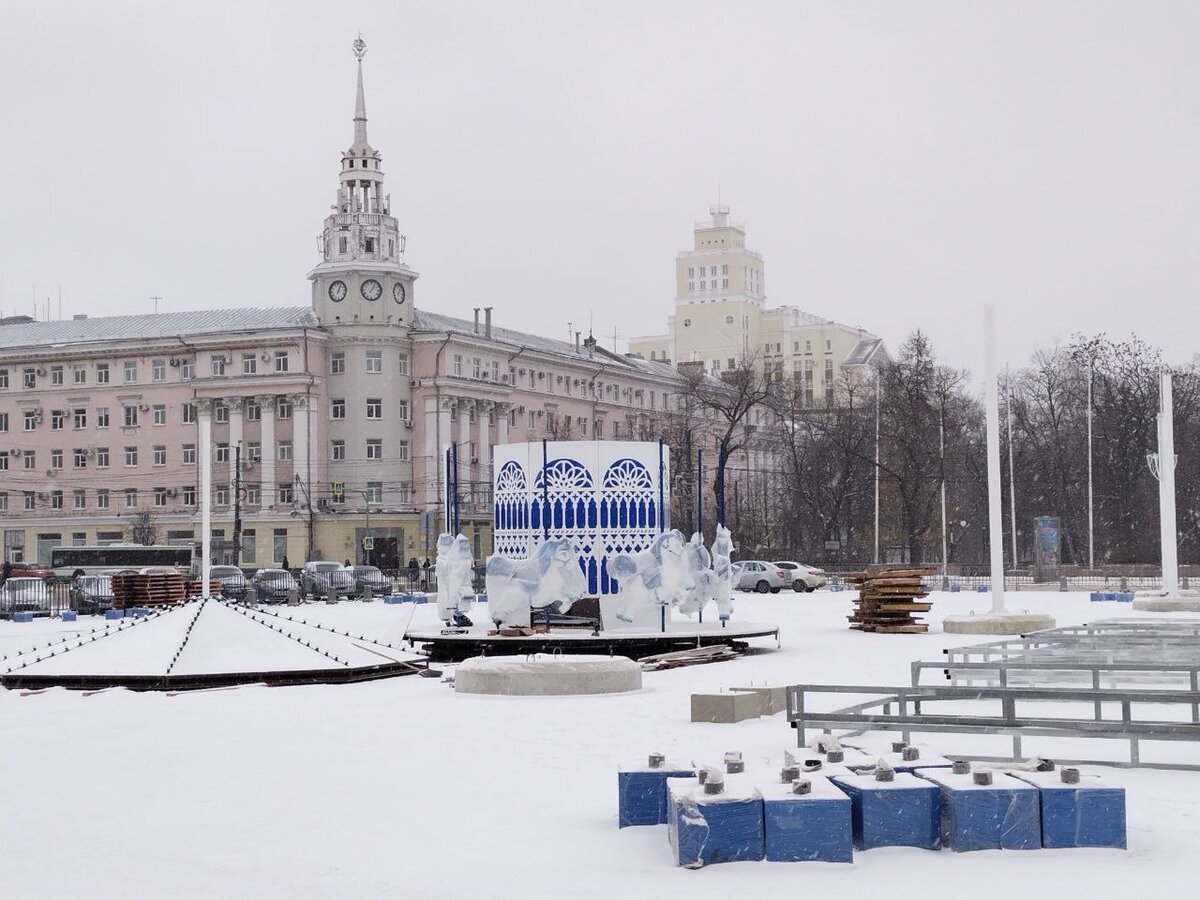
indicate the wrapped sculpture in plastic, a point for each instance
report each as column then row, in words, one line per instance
column 454, row 579
column 704, row 579
column 551, row 575
column 657, row 576
column 722, row 551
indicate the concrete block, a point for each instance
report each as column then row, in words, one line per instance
column 772, row 699
column 736, row 706
column 112, row 614
column 22, row 617
column 1006, row 623
column 69, row 616
column 812, row 826
column 543, row 675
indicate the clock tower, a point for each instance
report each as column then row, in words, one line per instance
column 362, row 278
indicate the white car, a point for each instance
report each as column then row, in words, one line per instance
column 804, row 578
column 760, row 576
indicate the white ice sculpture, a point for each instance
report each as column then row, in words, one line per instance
column 551, row 575
column 454, row 577
column 722, row 551
column 704, row 579
column 657, row 576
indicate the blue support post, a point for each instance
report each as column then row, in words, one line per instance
column 545, row 490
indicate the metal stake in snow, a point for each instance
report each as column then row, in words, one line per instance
column 992, row 406
column 1162, row 464
column 204, row 416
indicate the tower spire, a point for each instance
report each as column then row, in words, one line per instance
column 360, row 103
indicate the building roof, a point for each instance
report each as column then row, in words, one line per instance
column 436, row 322
column 154, row 325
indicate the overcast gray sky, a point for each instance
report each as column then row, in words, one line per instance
column 897, row 163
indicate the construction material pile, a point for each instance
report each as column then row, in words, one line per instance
column 148, row 590
column 888, row 600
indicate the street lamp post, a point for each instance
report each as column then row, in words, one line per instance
column 366, row 548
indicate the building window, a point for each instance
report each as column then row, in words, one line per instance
column 218, row 364
column 79, row 418
column 3, row 379
column 283, row 409
column 189, row 495
column 281, row 360
column 402, row 408
column 374, row 448
column 402, row 364
column 131, row 454
column 253, row 411
column 29, row 460
column 374, row 492
column 253, row 451
column 285, row 492
column 342, row 240
column 131, row 498
column 337, row 362
column 285, row 451
column 3, row 421
column 56, row 459
column 130, row 371
column 160, row 455
column 337, row 450
column 30, row 500
column 402, row 453
column 254, row 494
column 222, row 453
column 79, row 499
column 158, row 370
column 220, row 412
column 129, row 416
column 56, row 499
column 102, row 498
column 160, row 414
column 337, row 408
column 31, row 420
column 221, row 495
column 79, row 457
column 58, row 420
column 160, row 496
column 102, row 457
column 189, row 454
column 101, row 373
column 187, row 369
column 374, row 361
column 29, row 379
column 279, row 545
column 249, row 364
column 101, row 416
column 56, row 375
column 475, row 367
column 3, row 460
column 374, row 408
column 458, row 364
column 3, row 501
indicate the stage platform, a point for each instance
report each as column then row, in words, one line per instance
column 633, row 643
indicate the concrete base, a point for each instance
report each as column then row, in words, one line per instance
column 547, row 675
column 736, row 706
column 771, row 699
column 1004, row 623
column 1167, row 604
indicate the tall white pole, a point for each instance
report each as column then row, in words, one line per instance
column 877, row 390
column 1012, row 481
column 1091, row 520
column 204, row 439
column 942, row 450
column 992, row 405
column 1166, row 488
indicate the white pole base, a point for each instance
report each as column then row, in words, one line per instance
column 997, row 623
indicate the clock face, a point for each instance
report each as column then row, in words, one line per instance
column 337, row 291
column 371, row 289
column 398, row 292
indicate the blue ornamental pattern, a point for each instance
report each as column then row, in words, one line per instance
column 628, row 513
column 564, row 500
column 510, row 514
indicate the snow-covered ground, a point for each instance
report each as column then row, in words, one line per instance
column 403, row 788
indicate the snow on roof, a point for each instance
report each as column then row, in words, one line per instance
column 154, row 325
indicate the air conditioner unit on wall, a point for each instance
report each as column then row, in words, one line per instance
column 174, row 361
column 408, row 423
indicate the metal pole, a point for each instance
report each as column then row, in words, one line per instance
column 662, row 518
column 877, row 391
column 367, row 528
column 545, row 490
column 700, row 492
column 1166, row 488
column 204, row 439
column 942, row 448
column 721, row 476
column 457, row 512
column 992, row 406
column 1012, row 484
column 237, row 504
column 1091, row 519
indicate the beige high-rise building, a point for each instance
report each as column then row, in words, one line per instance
column 721, row 317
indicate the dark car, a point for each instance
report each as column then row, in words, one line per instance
column 272, row 586
column 326, row 580
column 369, row 581
column 91, row 594
column 233, row 582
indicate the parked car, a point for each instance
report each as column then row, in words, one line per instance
column 804, row 578
column 233, row 581
column 369, row 578
column 30, row 570
column 272, row 586
column 24, row 595
column 326, row 579
column 760, row 576
column 91, row 594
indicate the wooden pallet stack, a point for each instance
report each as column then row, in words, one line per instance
column 889, row 600
column 193, row 586
column 148, row 590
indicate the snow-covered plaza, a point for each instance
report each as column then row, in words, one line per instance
column 405, row 788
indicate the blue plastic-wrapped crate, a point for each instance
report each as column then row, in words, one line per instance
column 394, row 599
column 22, row 617
column 812, row 826
column 1088, row 814
column 642, row 793
column 68, row 615
column 1004, row 815
column 900, row 813
column 714, row 828
column 112, row 614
